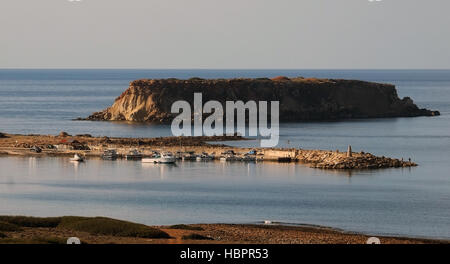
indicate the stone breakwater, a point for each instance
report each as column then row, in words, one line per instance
column 300, row 99
column 66, row 145
column 339, row 160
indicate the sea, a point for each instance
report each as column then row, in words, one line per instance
column 411, row 202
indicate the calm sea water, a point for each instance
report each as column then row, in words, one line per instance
column 414, row 202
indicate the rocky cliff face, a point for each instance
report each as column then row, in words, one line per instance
column 300, row 99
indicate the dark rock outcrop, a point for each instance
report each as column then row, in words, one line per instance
column 300, row 99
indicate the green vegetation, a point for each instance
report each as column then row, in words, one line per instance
column 196, row 237
column 8, row 227
column 111, row 227
column 25, row 221
column 2, row 235
column 34, row 240
column 91, row 225
column 186, row 227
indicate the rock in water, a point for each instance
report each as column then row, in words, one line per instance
column 300, row 99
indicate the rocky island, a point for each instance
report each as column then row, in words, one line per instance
column 301, row 99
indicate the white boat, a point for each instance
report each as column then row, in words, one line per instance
column 165, row 158
column 77, row 158
column 154, row 159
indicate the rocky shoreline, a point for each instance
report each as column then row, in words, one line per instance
column 86, row 145
column 301, row 99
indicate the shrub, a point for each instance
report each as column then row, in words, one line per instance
column 186, row 227
column 111, row 227
column 34, row 240
column 2, row 235
column 84, row 135
column 25, row 221
column 196, row 79
column 196, row 237
column 8, row 227
column 68, row 220
column 95, row 226
column 281, row 78
column 49, row 240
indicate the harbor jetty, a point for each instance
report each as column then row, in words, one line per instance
column 93, row 147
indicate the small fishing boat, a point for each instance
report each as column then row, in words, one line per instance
column 228, row 158
column 179, row 155
column 189, row 156
column 249, row 158
column 252, row 152
column 110, row 154
column 36, row 149
column 165, row 158
column 229, row 152
column 204, row 157
column 77, row 158
column 133, row 155
column 152, row 159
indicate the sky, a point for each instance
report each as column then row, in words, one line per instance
column 225, row 34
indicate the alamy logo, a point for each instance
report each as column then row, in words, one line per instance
column 234, row 116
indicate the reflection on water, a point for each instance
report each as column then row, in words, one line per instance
column 162, row 169
column 392, row 201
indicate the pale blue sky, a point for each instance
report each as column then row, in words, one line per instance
column 225, row 34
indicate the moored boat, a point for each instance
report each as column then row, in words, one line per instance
column 205, row 157
column 77, row 158
column 228, row 158
column 189, row 156
column 249, row 158
column 165, row 158
column 110, row 154
column 133, row 155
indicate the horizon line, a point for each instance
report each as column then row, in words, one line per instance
column 238, row 69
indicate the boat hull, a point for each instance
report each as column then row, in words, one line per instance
column 159, row 160
column 133, row 157
column 167, row 160
column 105, row 157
